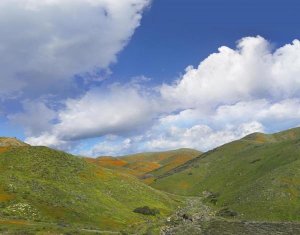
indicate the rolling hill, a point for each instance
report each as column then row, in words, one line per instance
column 253, row 180
column 257, row 177
column 7, row 143
column 147, row 166
column 39, row 185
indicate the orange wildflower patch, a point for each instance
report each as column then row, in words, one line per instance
column 5, row 197
column 3, row 149
column 184, row 185
column 14, row 222
column 111, row 162
column 107, row 162
column 102, row 174
column 149, row 180
column 144, row 167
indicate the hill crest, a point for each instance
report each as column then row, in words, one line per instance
column 11, row 142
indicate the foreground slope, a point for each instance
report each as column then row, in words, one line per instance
column 258, row 177
column 41, row 184
column 147, row 166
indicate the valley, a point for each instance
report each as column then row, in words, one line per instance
column 249, row 186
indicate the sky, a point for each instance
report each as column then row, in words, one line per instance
column 110, row 77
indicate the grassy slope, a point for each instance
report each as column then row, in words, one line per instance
column 11, row 142
column 41, row 184
column 150, row 164
column 257, row 176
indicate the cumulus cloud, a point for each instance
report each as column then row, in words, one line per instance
column 201, row 137
column 252, row 71
column 44, row 43
column 35, row 117
column 232, row 93
column 110, row 147
column 115, row 110
column 163, row 137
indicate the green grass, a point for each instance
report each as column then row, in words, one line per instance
column 38, row 184
column 42, row 189
column 257, row 176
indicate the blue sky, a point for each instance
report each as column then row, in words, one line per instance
column 177, row 33
column 99, row 77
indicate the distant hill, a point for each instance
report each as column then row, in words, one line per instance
column 11, row 142
column 42, row 185
column 258, row 177
column 292, row 134
column 7, row 143
column 147, row 166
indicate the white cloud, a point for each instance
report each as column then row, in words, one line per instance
column 105, row 112
column 35, row 118
column 252, row 71
column 118, row 110
column 260, row 110
column 44, row 43
column 232, row 93
column 109, row 148
column 201, row 137
column 49, row 140
column 161, row 137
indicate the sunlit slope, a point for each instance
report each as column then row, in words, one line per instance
column 7, row 143
column 41, row 184
column 257, row 176
column 147, row 165
column 11, row 142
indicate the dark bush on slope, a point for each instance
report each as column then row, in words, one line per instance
column 145, row 210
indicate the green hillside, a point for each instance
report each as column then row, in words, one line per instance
column 253, row 179
column 41, row 185
column 258, row 177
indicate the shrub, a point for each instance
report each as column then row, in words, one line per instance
column 254, row 161
column 226, row 212
column 145, row 210
column 211, row 197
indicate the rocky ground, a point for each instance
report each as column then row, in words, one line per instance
column 189, row 219
column 195, row 218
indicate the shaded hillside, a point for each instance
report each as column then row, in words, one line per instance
column 38, row 184
column 147, row 166
column 257, row 177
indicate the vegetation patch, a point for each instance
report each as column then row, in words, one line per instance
column 145, row 210
column 226, row 212
column 254, row 161
column 56, row 188
column 3, row 149
column 138, row 165
column 5, row 197
column 259, row 179
column 211, row 197
column 21, row 211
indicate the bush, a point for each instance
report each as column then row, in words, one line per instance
column 226, row 212
column 211, row 197
column 254, row 161
column 145, row 210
